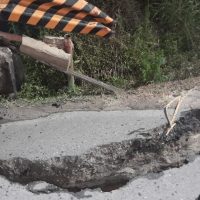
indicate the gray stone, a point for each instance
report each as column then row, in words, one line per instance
column 19, row 70
column 42, row 187
column 11, row 71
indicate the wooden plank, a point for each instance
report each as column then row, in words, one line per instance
column 95, row 82
column 69, row 48
column 58, row 59
column 44, row 53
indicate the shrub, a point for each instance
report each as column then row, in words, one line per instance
column 155, row 40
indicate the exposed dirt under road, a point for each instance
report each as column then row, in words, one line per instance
column 113, row 165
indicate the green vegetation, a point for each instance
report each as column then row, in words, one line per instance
column 155, row 40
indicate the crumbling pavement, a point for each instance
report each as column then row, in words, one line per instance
column 112, row 165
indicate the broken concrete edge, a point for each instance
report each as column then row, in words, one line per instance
column 112, row 165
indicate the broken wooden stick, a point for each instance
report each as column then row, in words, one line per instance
column 172, row 123
column 166, row 110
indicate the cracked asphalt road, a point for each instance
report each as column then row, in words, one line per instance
column 73, row 133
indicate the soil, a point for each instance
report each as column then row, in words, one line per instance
column 153, row 96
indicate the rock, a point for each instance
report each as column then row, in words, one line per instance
column 11, row 71
column 5, row 79
column 19, row 70
column 42, row 187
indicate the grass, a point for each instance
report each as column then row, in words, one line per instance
column 155, row 41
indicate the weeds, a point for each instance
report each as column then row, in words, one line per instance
column 181, row 18
column 156, row 40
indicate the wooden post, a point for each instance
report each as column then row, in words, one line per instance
column 67, row 45
column 43, row 52
column 69, row 48
column 57, row 59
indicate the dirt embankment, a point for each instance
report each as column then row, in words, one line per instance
column 153, row 96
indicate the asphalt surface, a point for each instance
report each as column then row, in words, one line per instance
column 173, row 184
column 73, row 133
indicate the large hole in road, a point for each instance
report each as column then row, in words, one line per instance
column 111, row 166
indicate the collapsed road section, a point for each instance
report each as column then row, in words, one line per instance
column 99, row 149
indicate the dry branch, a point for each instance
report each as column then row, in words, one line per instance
column 172, row 123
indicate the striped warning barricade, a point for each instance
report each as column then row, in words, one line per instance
column 76, row 16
